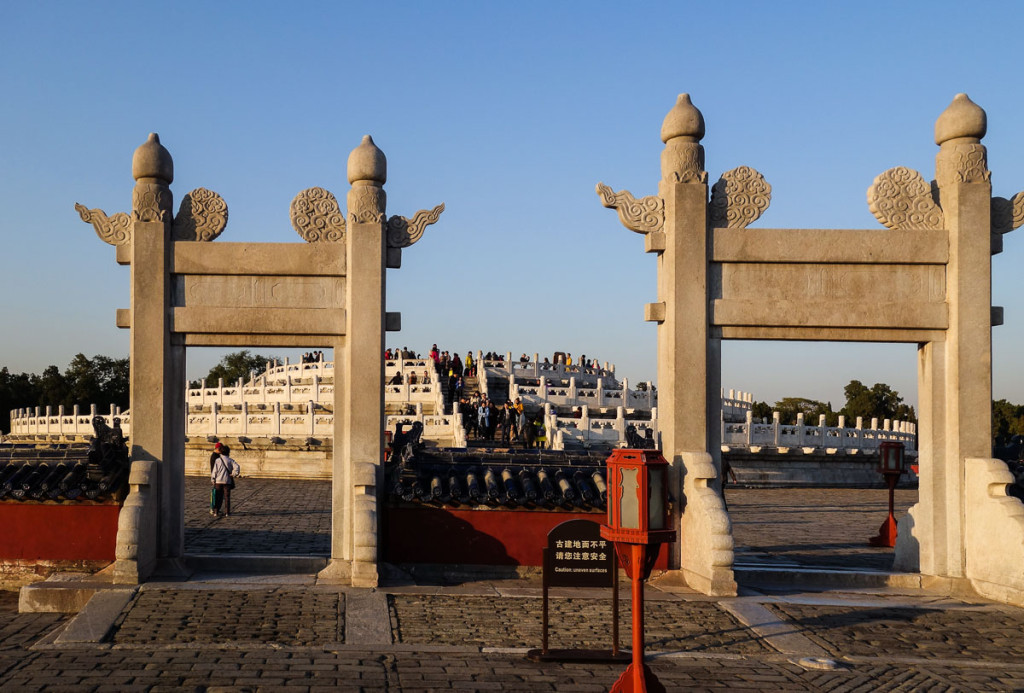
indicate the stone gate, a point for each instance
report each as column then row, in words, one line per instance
column 924, row 279
column 328, row 292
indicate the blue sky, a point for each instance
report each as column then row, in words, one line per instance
column 510, row 113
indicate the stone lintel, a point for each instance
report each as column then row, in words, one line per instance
column 830, row 334
column 272, row 259
column 852, row 314
column 393, row 321
column 252, row 321
column 829, row 246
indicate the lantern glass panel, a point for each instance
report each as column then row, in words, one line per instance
column 629, row 505
column 656, row 499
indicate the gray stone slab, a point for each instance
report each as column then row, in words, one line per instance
column 367, row 618
column 94, row 622
column 777, row 633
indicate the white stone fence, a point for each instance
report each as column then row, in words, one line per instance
column 312, row 420
column 775, row 435
column 44, row 422
column 587, row 430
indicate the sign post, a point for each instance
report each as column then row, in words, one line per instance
column 577, row 556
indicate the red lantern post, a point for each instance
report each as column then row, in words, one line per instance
column 638, row 523
column 890, row 463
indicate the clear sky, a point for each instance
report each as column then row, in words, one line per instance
column 510, row 113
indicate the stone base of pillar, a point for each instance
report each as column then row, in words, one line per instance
column 337, row 572
column 127, row 572
column 364, row 574
column 705, row 531
column 994, row 537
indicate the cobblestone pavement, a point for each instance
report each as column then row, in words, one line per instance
column 268, row 516
column 574, row 623
column 813, row 526
column 287, row 633
column 291, row 638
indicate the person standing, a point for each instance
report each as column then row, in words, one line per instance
column 225, row 471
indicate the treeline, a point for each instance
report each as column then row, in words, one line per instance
column 100, row 380
column 878, row 401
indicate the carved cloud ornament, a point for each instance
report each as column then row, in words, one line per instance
column 202, row 216
column 739, row 198
column 900, row 198
column 317, row 217
column 645, row 215
column 404, row 232
column 1007, row 215
column 115, row 230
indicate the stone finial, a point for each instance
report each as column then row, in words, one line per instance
column 962, row 120
column 367, row 163
column 682, row 160
column 153, row 170
column 962, row 157
column 152, row 160
column 684, row 120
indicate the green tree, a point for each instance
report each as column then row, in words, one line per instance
column 761, row 411
column 16, row 391
column 879, row 401
column 1007, row 420
column 100, row 380
column 51, row 388
column 812, row 409
column 237, row 365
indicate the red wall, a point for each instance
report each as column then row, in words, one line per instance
column 40, row 531
column 475, row 537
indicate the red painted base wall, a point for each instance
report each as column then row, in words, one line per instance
column 475, row 537
column 32, row 532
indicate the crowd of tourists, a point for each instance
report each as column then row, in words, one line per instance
column 485, row 419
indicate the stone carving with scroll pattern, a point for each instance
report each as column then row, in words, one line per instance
column 739, row 198
column 202, row 216
column 403, row 232
column 1007, row 215
column 316, row 216
column 645, row 215
column 115, row 230
column 367, row 204
column 900, row 198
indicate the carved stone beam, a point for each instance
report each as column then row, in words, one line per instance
column 316, row 216
column 202, row 216
column 403, row 232
column 739, row 198
column 900, row 198
column 1007, row 215
column 646, row 215
column 115, row 230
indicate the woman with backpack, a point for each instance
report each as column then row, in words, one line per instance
column 223, row 475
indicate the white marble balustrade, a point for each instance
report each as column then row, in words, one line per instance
column 775, row 435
